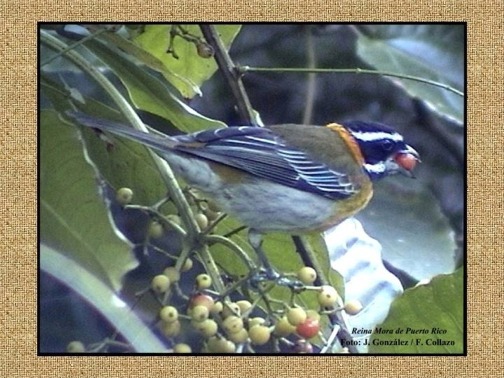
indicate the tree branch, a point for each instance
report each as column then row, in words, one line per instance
column 230, row 72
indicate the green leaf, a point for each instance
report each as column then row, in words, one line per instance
column 434, row 52
column 120, row 162
column 426, row 319
column 156, row 39
column 105, row 300
column 279, row 249
column 73, row 218
column 228, row 259
column 150, row 93
column 185, row 86
column 281, row 252
column 126, row 164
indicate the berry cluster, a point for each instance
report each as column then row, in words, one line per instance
column 208, row 310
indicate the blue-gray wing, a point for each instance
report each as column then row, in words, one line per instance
column 255, row 150
column 260, row 152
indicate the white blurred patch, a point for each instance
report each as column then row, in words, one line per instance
column 357, row 257
column 118, row 302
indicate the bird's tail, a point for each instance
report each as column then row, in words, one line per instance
column 158, row 142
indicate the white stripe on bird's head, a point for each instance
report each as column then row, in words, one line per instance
column 368, row 136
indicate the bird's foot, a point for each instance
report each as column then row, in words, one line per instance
column 271, row 275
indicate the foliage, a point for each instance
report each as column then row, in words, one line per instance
column 153, row 70
column 432, row 52
column 426, row 319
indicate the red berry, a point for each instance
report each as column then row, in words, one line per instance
column 308, row 329
column 201, row 299
column 406, row 161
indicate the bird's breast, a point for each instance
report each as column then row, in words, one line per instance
column 264, row 205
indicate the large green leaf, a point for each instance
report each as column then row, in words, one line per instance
column 427, row 319
column 73, row 218
column 279, row 249
column 190, row 65
column 126, row 164
column 121, row 163
column 185, row 86
column 429, row 51
column 150, row 93
column 227, row 258
column 91, row 288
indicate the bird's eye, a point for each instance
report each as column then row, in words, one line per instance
column 387, row 144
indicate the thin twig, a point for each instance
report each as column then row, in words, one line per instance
column 244, row 69
column 230, row 72
column 312, row 82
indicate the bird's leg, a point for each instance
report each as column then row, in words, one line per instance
column 255, row 240
column 269, row 273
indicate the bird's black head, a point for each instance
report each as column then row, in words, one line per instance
column 384, row 150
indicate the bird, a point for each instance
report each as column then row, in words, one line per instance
column 291, row 178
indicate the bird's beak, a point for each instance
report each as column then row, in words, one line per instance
column 410, row 150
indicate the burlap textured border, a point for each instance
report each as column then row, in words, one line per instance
column 18, row 183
